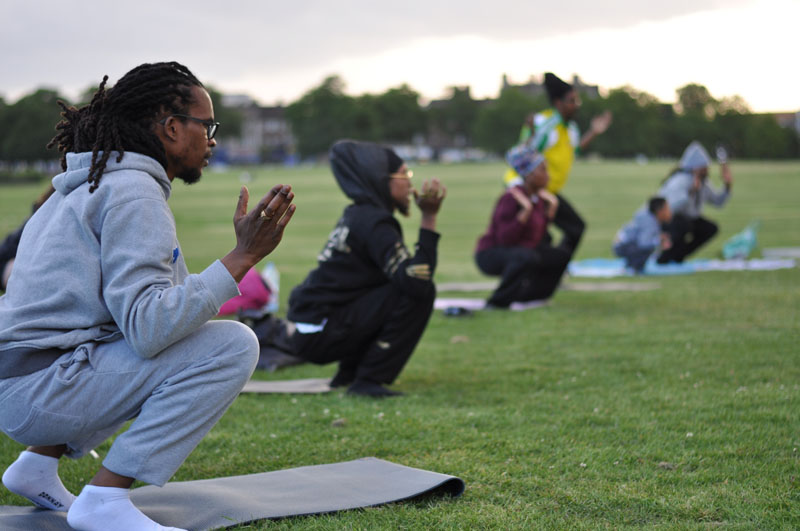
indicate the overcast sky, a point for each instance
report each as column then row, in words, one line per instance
column 275, row 51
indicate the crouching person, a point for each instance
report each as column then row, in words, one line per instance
column 368, row 301
column 516, row 246
column 101, row 322
column 645, row 233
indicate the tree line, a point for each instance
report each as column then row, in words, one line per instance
column 642, row 124
column 29, row 124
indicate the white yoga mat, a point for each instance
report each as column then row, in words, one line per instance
column 781, row 252
column 571, row 286
column 442, row 303
column 302, row 386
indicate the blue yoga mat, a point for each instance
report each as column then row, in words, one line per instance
column 615, row 267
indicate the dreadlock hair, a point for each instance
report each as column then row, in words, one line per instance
column 121, row 118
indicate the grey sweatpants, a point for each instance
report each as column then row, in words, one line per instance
column 176, row 397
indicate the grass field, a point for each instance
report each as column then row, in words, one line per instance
column 677, row 408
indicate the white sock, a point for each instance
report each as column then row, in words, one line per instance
column 35, row 476
column 104, row 508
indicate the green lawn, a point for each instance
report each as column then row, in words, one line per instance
column 677, row 408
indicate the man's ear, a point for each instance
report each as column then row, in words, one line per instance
column 169, row 130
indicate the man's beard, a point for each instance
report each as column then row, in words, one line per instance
column 403, row 209
column 190, row 175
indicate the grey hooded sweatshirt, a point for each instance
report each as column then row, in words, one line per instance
column 103, row 266
column 677, row 188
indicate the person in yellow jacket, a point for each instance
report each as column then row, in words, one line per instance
column 554, row 134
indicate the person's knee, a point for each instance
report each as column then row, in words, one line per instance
column 580, row 224
column 429, row 296
column 421, row 299
column 242, row 345
column 421, row 303
column 529, row 260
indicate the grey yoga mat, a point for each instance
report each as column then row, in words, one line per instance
column 226, row 502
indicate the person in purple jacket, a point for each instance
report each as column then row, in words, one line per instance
column 514, row 246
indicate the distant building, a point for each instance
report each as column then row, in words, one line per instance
column 266, row 135
column 535, row 88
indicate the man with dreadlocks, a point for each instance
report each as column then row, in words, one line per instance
column 101, row 322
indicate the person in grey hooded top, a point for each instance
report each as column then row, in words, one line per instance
column 101, row 321
column 686, row 191
column 369, row 299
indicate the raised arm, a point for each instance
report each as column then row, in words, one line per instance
column 598, row 126
column 429, row 202
column 259, row 231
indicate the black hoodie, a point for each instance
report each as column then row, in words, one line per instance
column 365, row 249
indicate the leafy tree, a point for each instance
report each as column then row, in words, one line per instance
column 365, row 121
column 696, row 108
column 3, row 130
column 734, row 104
column 29, row 126
column 454, row 117
column 321, row 116
column 398, row 115
column 694, row 98
column 763, row 138
column 636, row 127
column 498, row 123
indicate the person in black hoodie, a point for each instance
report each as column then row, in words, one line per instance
column 369, row 299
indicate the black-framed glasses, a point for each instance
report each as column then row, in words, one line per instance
column 211, row 125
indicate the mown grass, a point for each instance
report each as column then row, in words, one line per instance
column 675, row 408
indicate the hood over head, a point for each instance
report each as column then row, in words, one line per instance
column 362, row 170
column 694, row 156
column 78, row 165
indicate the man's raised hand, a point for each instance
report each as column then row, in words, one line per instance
column 601, row 122
column 259, row 231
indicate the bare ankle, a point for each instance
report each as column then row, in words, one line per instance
column 107, row 478
column 50, row 451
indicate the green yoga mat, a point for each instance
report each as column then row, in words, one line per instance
column 236, row 500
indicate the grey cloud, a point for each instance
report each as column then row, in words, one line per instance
column 72, row 43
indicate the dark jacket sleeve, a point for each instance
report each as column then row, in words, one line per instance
column 413, row 275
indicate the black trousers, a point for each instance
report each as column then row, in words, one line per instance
column 525, row 274
column 570, row 223
column 373, row 337
column 687, row 235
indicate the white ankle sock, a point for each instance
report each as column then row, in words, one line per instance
column 103, row 508
column 35, row 477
